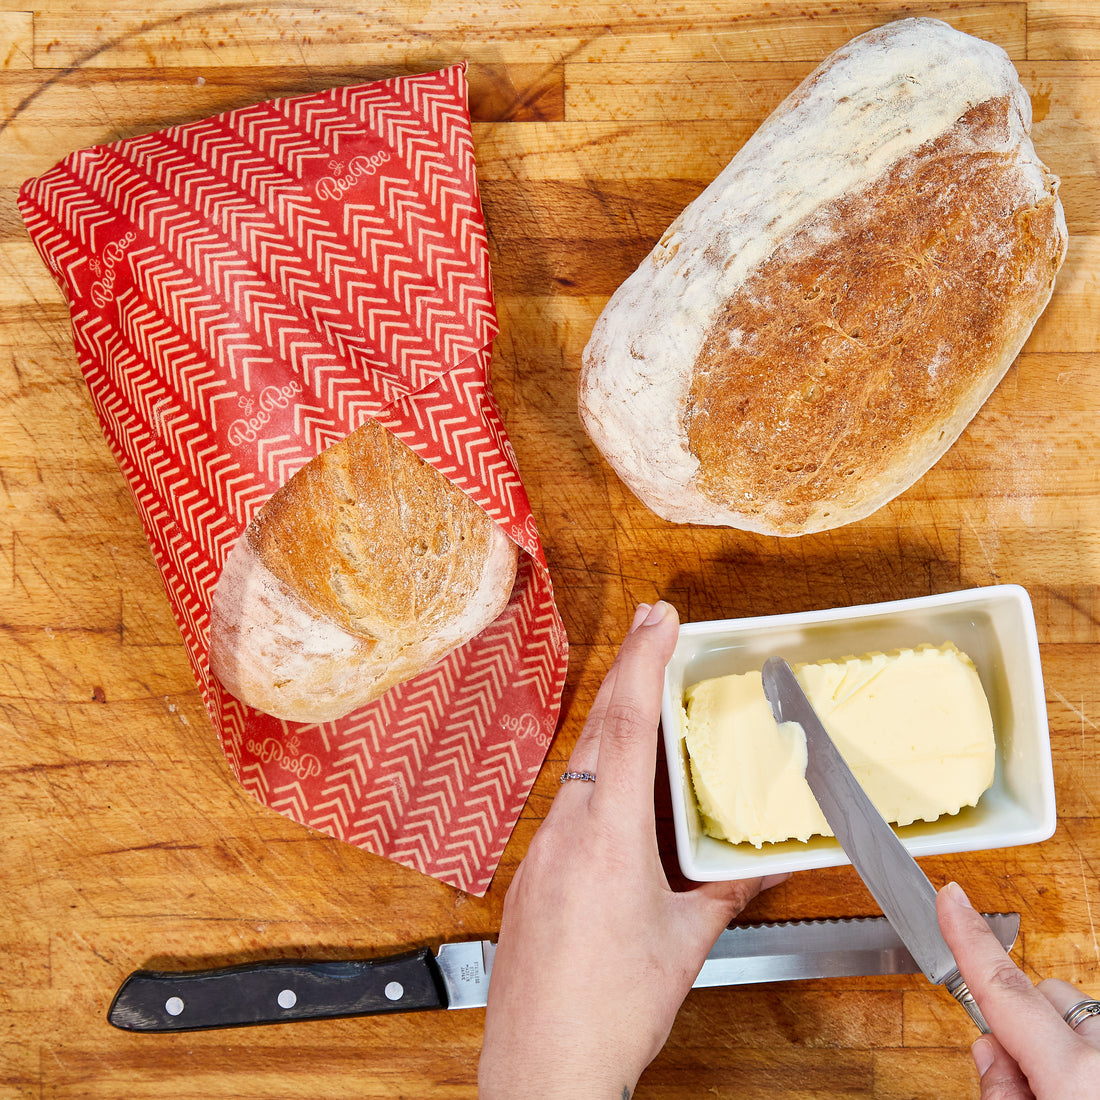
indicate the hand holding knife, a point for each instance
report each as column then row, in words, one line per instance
column 890, row 873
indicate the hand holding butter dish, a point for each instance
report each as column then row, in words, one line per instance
column 591, row 891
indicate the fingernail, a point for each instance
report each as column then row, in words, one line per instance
column 639, row 617
column 656, row 613
column 983, row 1054
column 958, row 895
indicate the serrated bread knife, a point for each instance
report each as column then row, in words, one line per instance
column 457, row 976
column 899, row 886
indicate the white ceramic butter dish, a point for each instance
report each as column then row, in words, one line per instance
column 994, row 625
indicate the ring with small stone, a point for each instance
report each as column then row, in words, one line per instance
column 585, row 777
column 1081, row 1011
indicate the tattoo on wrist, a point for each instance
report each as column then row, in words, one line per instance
column 626, row 1092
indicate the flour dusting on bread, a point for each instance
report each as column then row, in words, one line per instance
column 671, row 350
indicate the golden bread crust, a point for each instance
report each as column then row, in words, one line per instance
column 832, row 366
column 364, row 569
column 374, row 537
column 817, row 327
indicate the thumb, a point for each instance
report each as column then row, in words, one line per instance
column 725, row 900
column 1002, row 1078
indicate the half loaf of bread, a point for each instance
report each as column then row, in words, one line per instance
column 363, row 570
column 821, row 323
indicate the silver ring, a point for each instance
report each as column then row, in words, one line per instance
column 585, row 777
column 1081, row 1011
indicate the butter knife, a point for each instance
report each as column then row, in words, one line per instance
column 891, row 874
column 458, row 974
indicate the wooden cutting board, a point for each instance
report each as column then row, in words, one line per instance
column 126, row 842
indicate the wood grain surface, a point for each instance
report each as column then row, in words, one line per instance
column 125, row 841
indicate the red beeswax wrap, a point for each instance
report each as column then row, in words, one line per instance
column 247, row 290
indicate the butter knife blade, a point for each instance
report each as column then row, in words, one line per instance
column 891, row 874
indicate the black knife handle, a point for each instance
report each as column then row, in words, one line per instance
column 273, row 992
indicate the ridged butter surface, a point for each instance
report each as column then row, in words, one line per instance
column 914, row 726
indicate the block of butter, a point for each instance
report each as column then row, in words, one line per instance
column 914, row 726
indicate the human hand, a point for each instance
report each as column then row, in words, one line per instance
column 1032, row 1054
column 596, row 952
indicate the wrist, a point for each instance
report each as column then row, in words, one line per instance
column 505, row 1081
column 516, row 1070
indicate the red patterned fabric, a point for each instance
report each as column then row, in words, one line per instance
column 247, row 290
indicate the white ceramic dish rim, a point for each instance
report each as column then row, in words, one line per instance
column 1019, row 809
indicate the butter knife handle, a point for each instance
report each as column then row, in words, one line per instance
column 960, row 991
column 275, row 992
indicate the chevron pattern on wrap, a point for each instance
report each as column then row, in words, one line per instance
column 248, row 289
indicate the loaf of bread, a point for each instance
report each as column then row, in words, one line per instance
column 364, row 569
column 821, row 323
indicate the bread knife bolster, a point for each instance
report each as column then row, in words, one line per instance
column 274, row 992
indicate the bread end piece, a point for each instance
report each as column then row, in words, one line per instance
column 364, row 570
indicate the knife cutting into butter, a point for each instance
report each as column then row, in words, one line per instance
column 891, row 874
column 458, row 975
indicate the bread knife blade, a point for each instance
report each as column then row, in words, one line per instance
column 891, row 874
column 458, row 975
